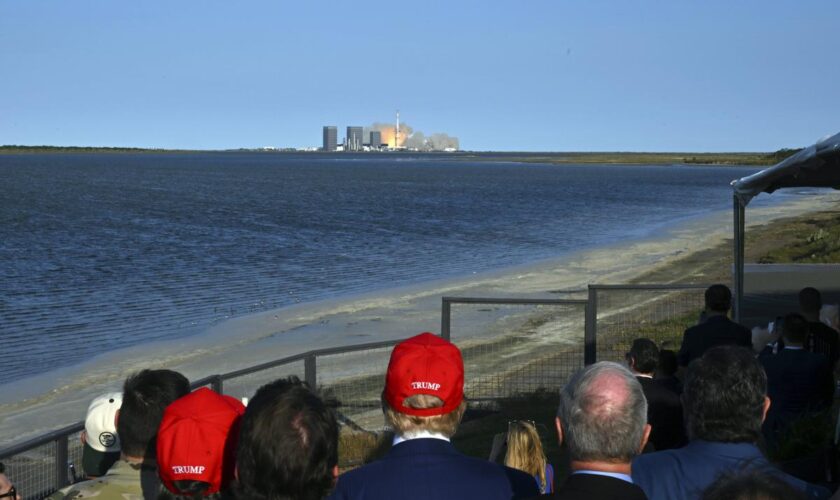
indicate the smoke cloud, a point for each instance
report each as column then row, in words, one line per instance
column 411, row 139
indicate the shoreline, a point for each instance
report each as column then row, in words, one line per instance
column 28, row 406
column 733, row 158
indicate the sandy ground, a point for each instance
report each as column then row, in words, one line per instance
column 55, row 399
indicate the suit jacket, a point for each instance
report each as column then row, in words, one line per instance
column 684, row 473
column 428, row 468
column 824, row 340
column 671, row 383
column 664, row 415
column 596, row 487
column 798, row 383
column 715, row 331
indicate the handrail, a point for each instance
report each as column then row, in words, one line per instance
column 675, row 286
column 42, row 440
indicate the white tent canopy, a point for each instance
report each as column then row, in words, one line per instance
column 814, row 166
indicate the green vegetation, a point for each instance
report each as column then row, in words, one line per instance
column 820, row 244
column 83, row 149
column 639, row 158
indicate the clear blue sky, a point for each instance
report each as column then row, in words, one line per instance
column 538, row 75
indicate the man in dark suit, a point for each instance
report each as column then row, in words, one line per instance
column 822, row 338
column 423, row 402
column 725, row 400
column 601, row 420
column 664, row 412
column 717, row 329
column 799, row 383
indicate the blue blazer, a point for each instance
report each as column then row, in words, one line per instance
column 685, row 472
column 427, row 468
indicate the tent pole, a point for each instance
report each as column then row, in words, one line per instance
column 738, row 264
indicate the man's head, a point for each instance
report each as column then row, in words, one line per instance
column 288, row 444
column 810, row 301
column 752, row 484
column 7, row 489
column 101, row 444
column 643, row 356
column 668, row 363
column 145, row 396
column 795, row 329
column 196, row 444
column 724, row 396
column 424, row 386
column 603, row 415
column 718, row 299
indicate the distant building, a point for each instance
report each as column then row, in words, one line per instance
column 375, row 139
column 330, row 138
column 355, row 138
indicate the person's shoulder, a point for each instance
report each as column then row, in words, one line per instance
column 657, row 458
column 589, row 486
column 693, row 329
column 820, row 328
column 97, row 488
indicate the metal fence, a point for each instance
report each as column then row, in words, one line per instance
column 509, row 346
column 515, row 346
column 620, row 313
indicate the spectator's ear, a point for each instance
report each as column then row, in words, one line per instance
column 83, row 437
column 116, row 418
column 766, row 407
column 645, row 436
column 559, row 430
column 335, row 473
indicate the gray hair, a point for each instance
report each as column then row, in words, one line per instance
column 603, row 412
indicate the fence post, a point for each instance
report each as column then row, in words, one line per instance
column 590, row 353
column 217, row 384
column 445, row 317
column 310, row 371
column 61, row 479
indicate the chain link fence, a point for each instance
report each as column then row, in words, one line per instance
column 515, row 346
column 622, row 313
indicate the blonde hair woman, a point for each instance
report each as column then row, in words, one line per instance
column 525, row 452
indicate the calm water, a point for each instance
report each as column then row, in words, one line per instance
column 106, row 251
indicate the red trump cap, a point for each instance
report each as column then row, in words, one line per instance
column 197, row 440
column 425, row 364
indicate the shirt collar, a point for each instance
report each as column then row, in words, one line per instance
column 643, row 375
column 418, row 435
column 616, row 475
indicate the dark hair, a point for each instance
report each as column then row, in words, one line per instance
column 645, row 355
column 810, row 300
column 145, row 396
column 795, row 328
column 667, row 362
column 718, row 298
column 288, row 445
column 2, row 468
column 723, row 398
column 753, row 484
column 195, row 490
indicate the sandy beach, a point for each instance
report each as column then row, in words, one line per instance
column 51, row 400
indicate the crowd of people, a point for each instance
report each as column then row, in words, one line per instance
column 692, row 424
